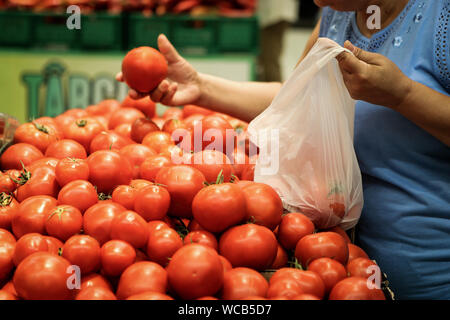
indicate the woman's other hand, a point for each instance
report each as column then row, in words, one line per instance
column 373, row 78
column 182, row 85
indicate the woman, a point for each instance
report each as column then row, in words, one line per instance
column 400, row 76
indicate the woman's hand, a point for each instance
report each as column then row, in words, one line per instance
column 373, row 78
column 182, row 85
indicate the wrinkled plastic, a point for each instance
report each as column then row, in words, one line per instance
column 309, row 129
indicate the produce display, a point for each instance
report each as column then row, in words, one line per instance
column 115, row 202
column 159, row 7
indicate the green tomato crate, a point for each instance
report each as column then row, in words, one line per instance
column 48, row 30
column 196, row 35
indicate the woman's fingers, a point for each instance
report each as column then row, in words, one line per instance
column 136, row 95
column 158, row 93
column 167, row 49
column 167, row 98
column 119, row 77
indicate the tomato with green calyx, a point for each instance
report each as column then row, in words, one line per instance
column 31, row 214
column 63, row 222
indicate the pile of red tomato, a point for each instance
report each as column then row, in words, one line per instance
column 159, row 7
column 93, row 207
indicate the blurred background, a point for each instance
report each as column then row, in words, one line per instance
column 62, row 54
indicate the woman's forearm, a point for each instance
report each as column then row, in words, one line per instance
column 243, row 100
column 429, row 109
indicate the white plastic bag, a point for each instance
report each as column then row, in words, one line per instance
column 310, row 128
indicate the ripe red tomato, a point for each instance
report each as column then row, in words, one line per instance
column 144, row 68
column 108, row 169
column 157, row 140
column 355, row 252
column 341, row 232
column 124, row 130
column 193, row 120
column 360, row 267
column 125, row 196
column 248, row 173
column 66, row 148
column 173, row 113
column 7, row 184
column 183, row 183
column 31, row 214
column 177, row 129
column 162, row 244
column 136, row 154
column 39, row 180
column 27, row 245
column 305, row 296
column 103, row 108
column 142, row 277
column 286, row 288
column 83, row 131
column 124, row 115
column 150, row 295
column 141, row 127
column 38, row 135
column 264, row 206
column 249, row 245
column 7, row 236
column 42, row 276
column 323, row 244
column 240, row 283
column 95, row 280
column 281, row 259
column 116, row 256
column 8, row 208
column 54, row 245
column 151, row 166
column 63, row 222
column 7, row 249
column 71, row 169
column 202, row 237
column 213, row 132
column 130, row 227
column 331, row 271
column 50, row 162
column 80, row 194
column 226, row 264
column 195, row 271
column 309, row 281
column 84, row 252
column 95, row 293
column 194, row 226
column 18, row 154
column 152, row 202
column 355, row 288
column 108, row 140
column 145, row 105
column 191, row 109
column 211, row 163
column 239, row 161
column 219, row 206
column 5, row 295
column 293, row 227
column 98, row 218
